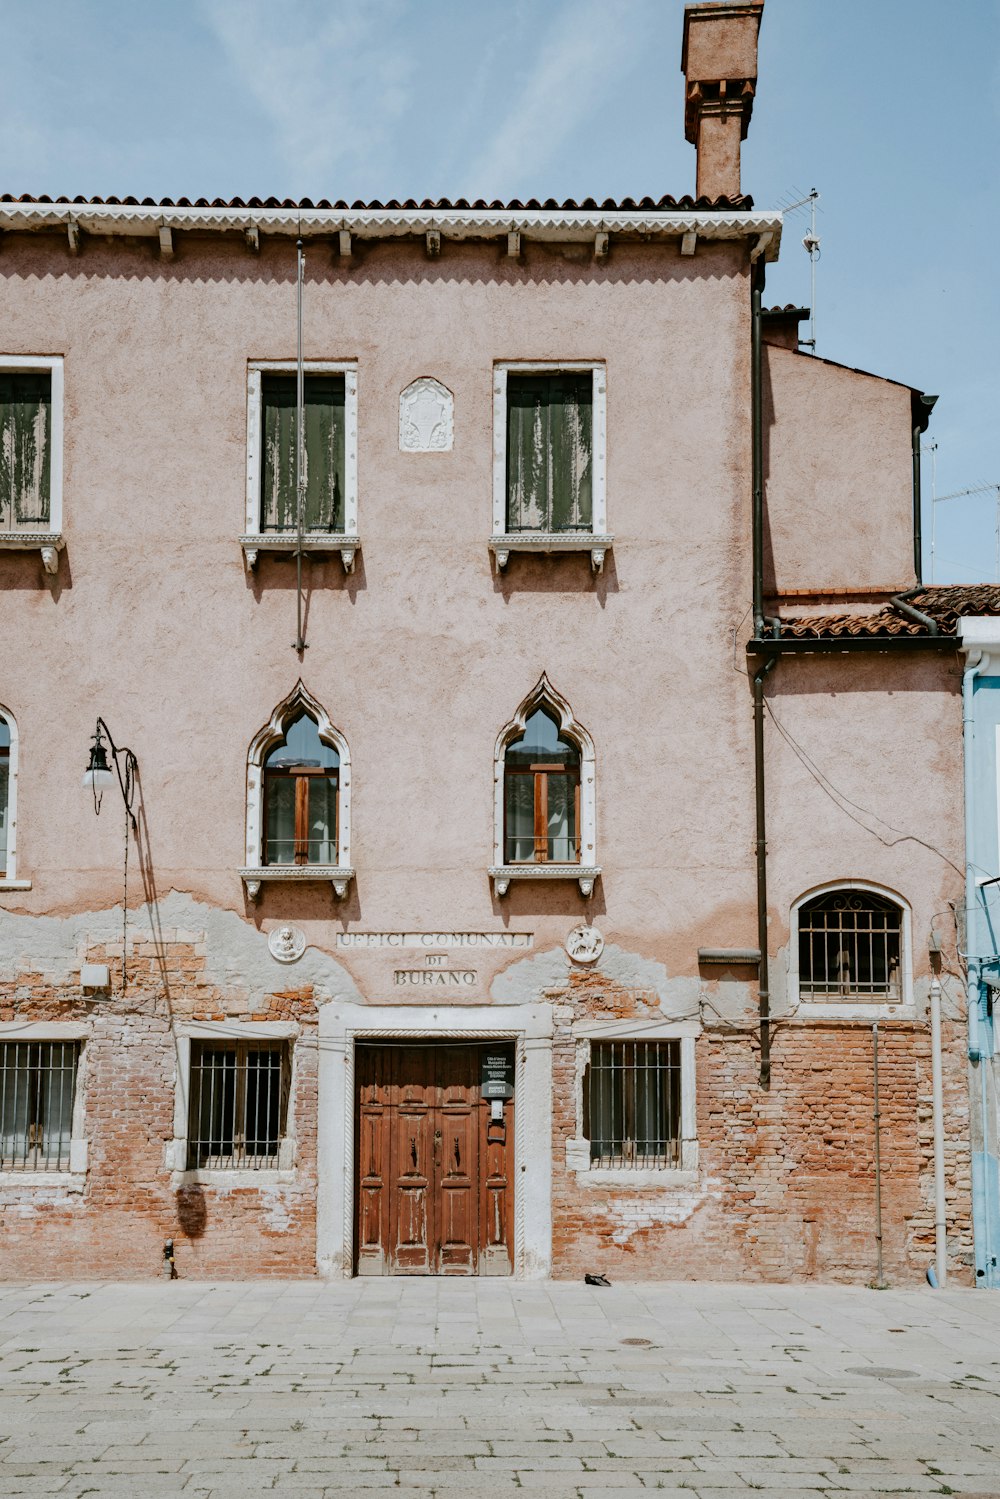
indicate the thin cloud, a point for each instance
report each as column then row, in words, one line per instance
column 588, row 46
column 327, row 76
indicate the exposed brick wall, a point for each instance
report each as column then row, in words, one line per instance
column 785, row 1186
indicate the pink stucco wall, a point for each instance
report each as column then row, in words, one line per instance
column 839, row 478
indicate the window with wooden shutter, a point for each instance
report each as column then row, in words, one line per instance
column 550, row 452
column 324, row 453
column 25, row 450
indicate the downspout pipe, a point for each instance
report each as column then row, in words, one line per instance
column 764, row 981
column 937, row 1095
column 757, row 441
column 899, row 601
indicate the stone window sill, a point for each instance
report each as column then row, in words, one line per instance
column 339, row 876
column 314, row 544
column 226, row 1180
column 551, row 541
column 502, row 875
column 846, row 1009
column 14, row 885
column 49, row 543
column 587, row 1175
column 61, row 1181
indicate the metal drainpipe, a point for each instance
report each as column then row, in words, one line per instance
column 918, row 429
column 757, row 516
column 937, row 1094
column 898, row 601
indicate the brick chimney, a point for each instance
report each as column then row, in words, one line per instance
column 719, row 63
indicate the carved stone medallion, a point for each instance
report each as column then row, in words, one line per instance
column 286, row 943
column 426, row 417
column 585, row 944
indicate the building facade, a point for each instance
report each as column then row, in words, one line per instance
column 542, row 804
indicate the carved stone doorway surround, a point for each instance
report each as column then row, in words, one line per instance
column 529, row 1026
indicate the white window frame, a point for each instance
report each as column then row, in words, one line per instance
column 851, row 1008
column 544, row 695
column 75, row 1179
column 49, row 542
column 578, row 1149
column 287, row 1031
column 597, row 540
column 255, row 872
column 255, row 540
column 8, row 875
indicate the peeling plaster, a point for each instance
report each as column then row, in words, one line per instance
column 274, row 1206
column 669, row 1209
column 523, row 981
column 236, row 953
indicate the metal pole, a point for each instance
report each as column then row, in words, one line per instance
column 300, row 466
column 937, row 1094
column 879, row 1276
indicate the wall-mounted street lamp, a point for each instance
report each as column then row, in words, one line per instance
column 97, row 778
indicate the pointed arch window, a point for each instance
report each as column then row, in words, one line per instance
column 298, row 798
column 545, row 795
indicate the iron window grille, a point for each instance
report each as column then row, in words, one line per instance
column 238, row 1104
column 37, row 1091
column 632, row 1104
column 849, row 947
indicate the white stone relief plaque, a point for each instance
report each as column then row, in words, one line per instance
column 426, row 417
column 585, row 944
column 286, row 943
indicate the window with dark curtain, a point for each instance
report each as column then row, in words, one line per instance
column 849, row 946
column 541, row 795
column 301, row 786
column 550, row 425
column 238, row 1104
column 632, row 1103
column 25, row 450
column 323, row 453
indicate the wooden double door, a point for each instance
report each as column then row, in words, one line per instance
column 434, row 1188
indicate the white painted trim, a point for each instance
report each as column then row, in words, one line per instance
column 14, row 885
column 8, row 876
column 578, row 1149
column 349, row 370
column 543, row 694
column 504, row 541
column 558, row 224
column 852, row 1008
column 57, row 1030
column 530, row 1026
column 54, row 364
column 228, row 1030
column 300, row 699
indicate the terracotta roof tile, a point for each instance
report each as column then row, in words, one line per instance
column 946, row 604
column 443, row 205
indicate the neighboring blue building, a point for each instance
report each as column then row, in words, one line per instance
column 980, row 637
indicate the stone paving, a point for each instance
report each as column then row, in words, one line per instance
column 446, row 1388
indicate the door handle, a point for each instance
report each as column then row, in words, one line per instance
column 437, row 1147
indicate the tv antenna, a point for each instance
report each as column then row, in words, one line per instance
column 961, row 494
column 811, row 242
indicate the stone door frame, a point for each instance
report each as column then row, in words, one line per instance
column 528, row 1026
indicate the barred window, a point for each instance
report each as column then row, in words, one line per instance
column 238, row 1104
column 849, row 947
column 37, row 1087
column 632, row 1103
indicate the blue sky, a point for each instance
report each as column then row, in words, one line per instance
column 891, row 108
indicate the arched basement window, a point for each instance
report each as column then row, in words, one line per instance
column 301, row 791
column 850, row 947
column 542, row 795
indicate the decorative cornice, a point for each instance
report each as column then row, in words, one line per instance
column 313, row 544
column 551, row 541
column 296, row 874
column 503, row 874
column 49, row 543
column 457, row 224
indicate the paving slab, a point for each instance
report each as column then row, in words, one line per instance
column 436, row 1388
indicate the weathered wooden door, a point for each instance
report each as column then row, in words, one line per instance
column 434, row 1178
